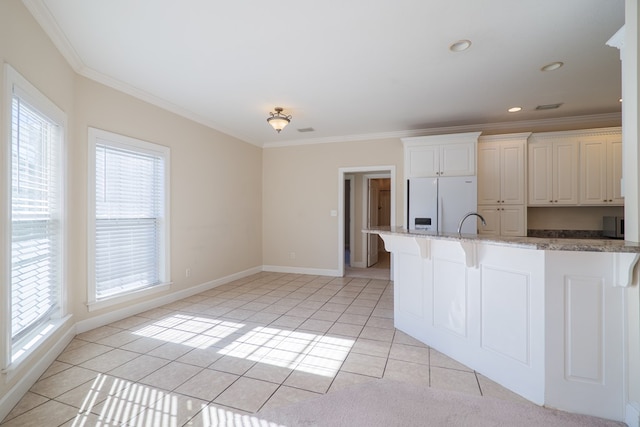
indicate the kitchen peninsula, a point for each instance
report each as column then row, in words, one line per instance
column 542, row 317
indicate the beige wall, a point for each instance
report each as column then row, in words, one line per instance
column 300, row 189
column 570, row 218
column 25, row 47
column 216, row 180
column 216, row 187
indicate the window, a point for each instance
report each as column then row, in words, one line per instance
column 128, row 216
column 35, row 214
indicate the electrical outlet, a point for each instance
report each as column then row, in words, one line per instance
column 187, row 272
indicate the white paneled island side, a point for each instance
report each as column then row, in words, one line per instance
column 542, row 317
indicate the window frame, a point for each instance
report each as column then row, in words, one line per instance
column 13, row 354
column 121, row 141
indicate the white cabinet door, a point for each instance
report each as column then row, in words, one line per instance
column 553, row 173
column 489, row 173
column 512, row 220
column 427, row 157
column 614, row 171
column 423, row 161
column 601, row 171
column 565, row 173
column 491, row 215
column 457, row 159
column 513, row 172
column 540, row 159
column 503, row 220
column 593, row 172
column 501, row 172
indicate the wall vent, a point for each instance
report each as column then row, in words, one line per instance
column 548, row 106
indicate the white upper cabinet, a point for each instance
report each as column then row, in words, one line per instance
column 502, row 169
column 440, row 155
column 576, row 168
column 601, row 170
column 553, row 169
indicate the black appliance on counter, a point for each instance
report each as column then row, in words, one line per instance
column 613, row 226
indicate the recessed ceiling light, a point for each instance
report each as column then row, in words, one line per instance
column 552, row 66
column 460, row 46
column 514, row 109
column 620, row 100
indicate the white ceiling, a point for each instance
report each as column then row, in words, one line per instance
column 348, row 69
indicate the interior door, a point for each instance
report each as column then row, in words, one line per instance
column 373, row 220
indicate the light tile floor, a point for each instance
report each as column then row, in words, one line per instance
column 220, row 356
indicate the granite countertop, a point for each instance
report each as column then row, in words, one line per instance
column 540, row 243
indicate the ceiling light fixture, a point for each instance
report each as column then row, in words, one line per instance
column 278, row 120
column 460, row 46
column 552, row 66
column 514, row 109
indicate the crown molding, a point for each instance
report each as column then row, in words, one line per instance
column 505, row 137
column 573, row 121
column 160, row 103
column 446, row 138
column 616, row 130
column 44, row 18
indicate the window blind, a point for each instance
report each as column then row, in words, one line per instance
column 129, row 211
column 36, row 234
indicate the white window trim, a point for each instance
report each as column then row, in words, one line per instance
column 15, row 81
column 165, row 264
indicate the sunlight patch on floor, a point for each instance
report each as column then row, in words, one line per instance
column 303, row 351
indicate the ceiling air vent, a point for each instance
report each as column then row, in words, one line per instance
column 306, row 130
column 548, row 106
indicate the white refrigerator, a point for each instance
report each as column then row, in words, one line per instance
column 438, row 204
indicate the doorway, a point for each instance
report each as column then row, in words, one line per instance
column 378, row 214
column 366, row 197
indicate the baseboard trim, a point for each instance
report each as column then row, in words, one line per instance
column 114, row 316
column 632, row 414
column 13, row 396
column 300, row 270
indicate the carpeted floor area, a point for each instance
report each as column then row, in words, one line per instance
column 391, row 403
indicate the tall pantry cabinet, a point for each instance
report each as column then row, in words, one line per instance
column 502, row 193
